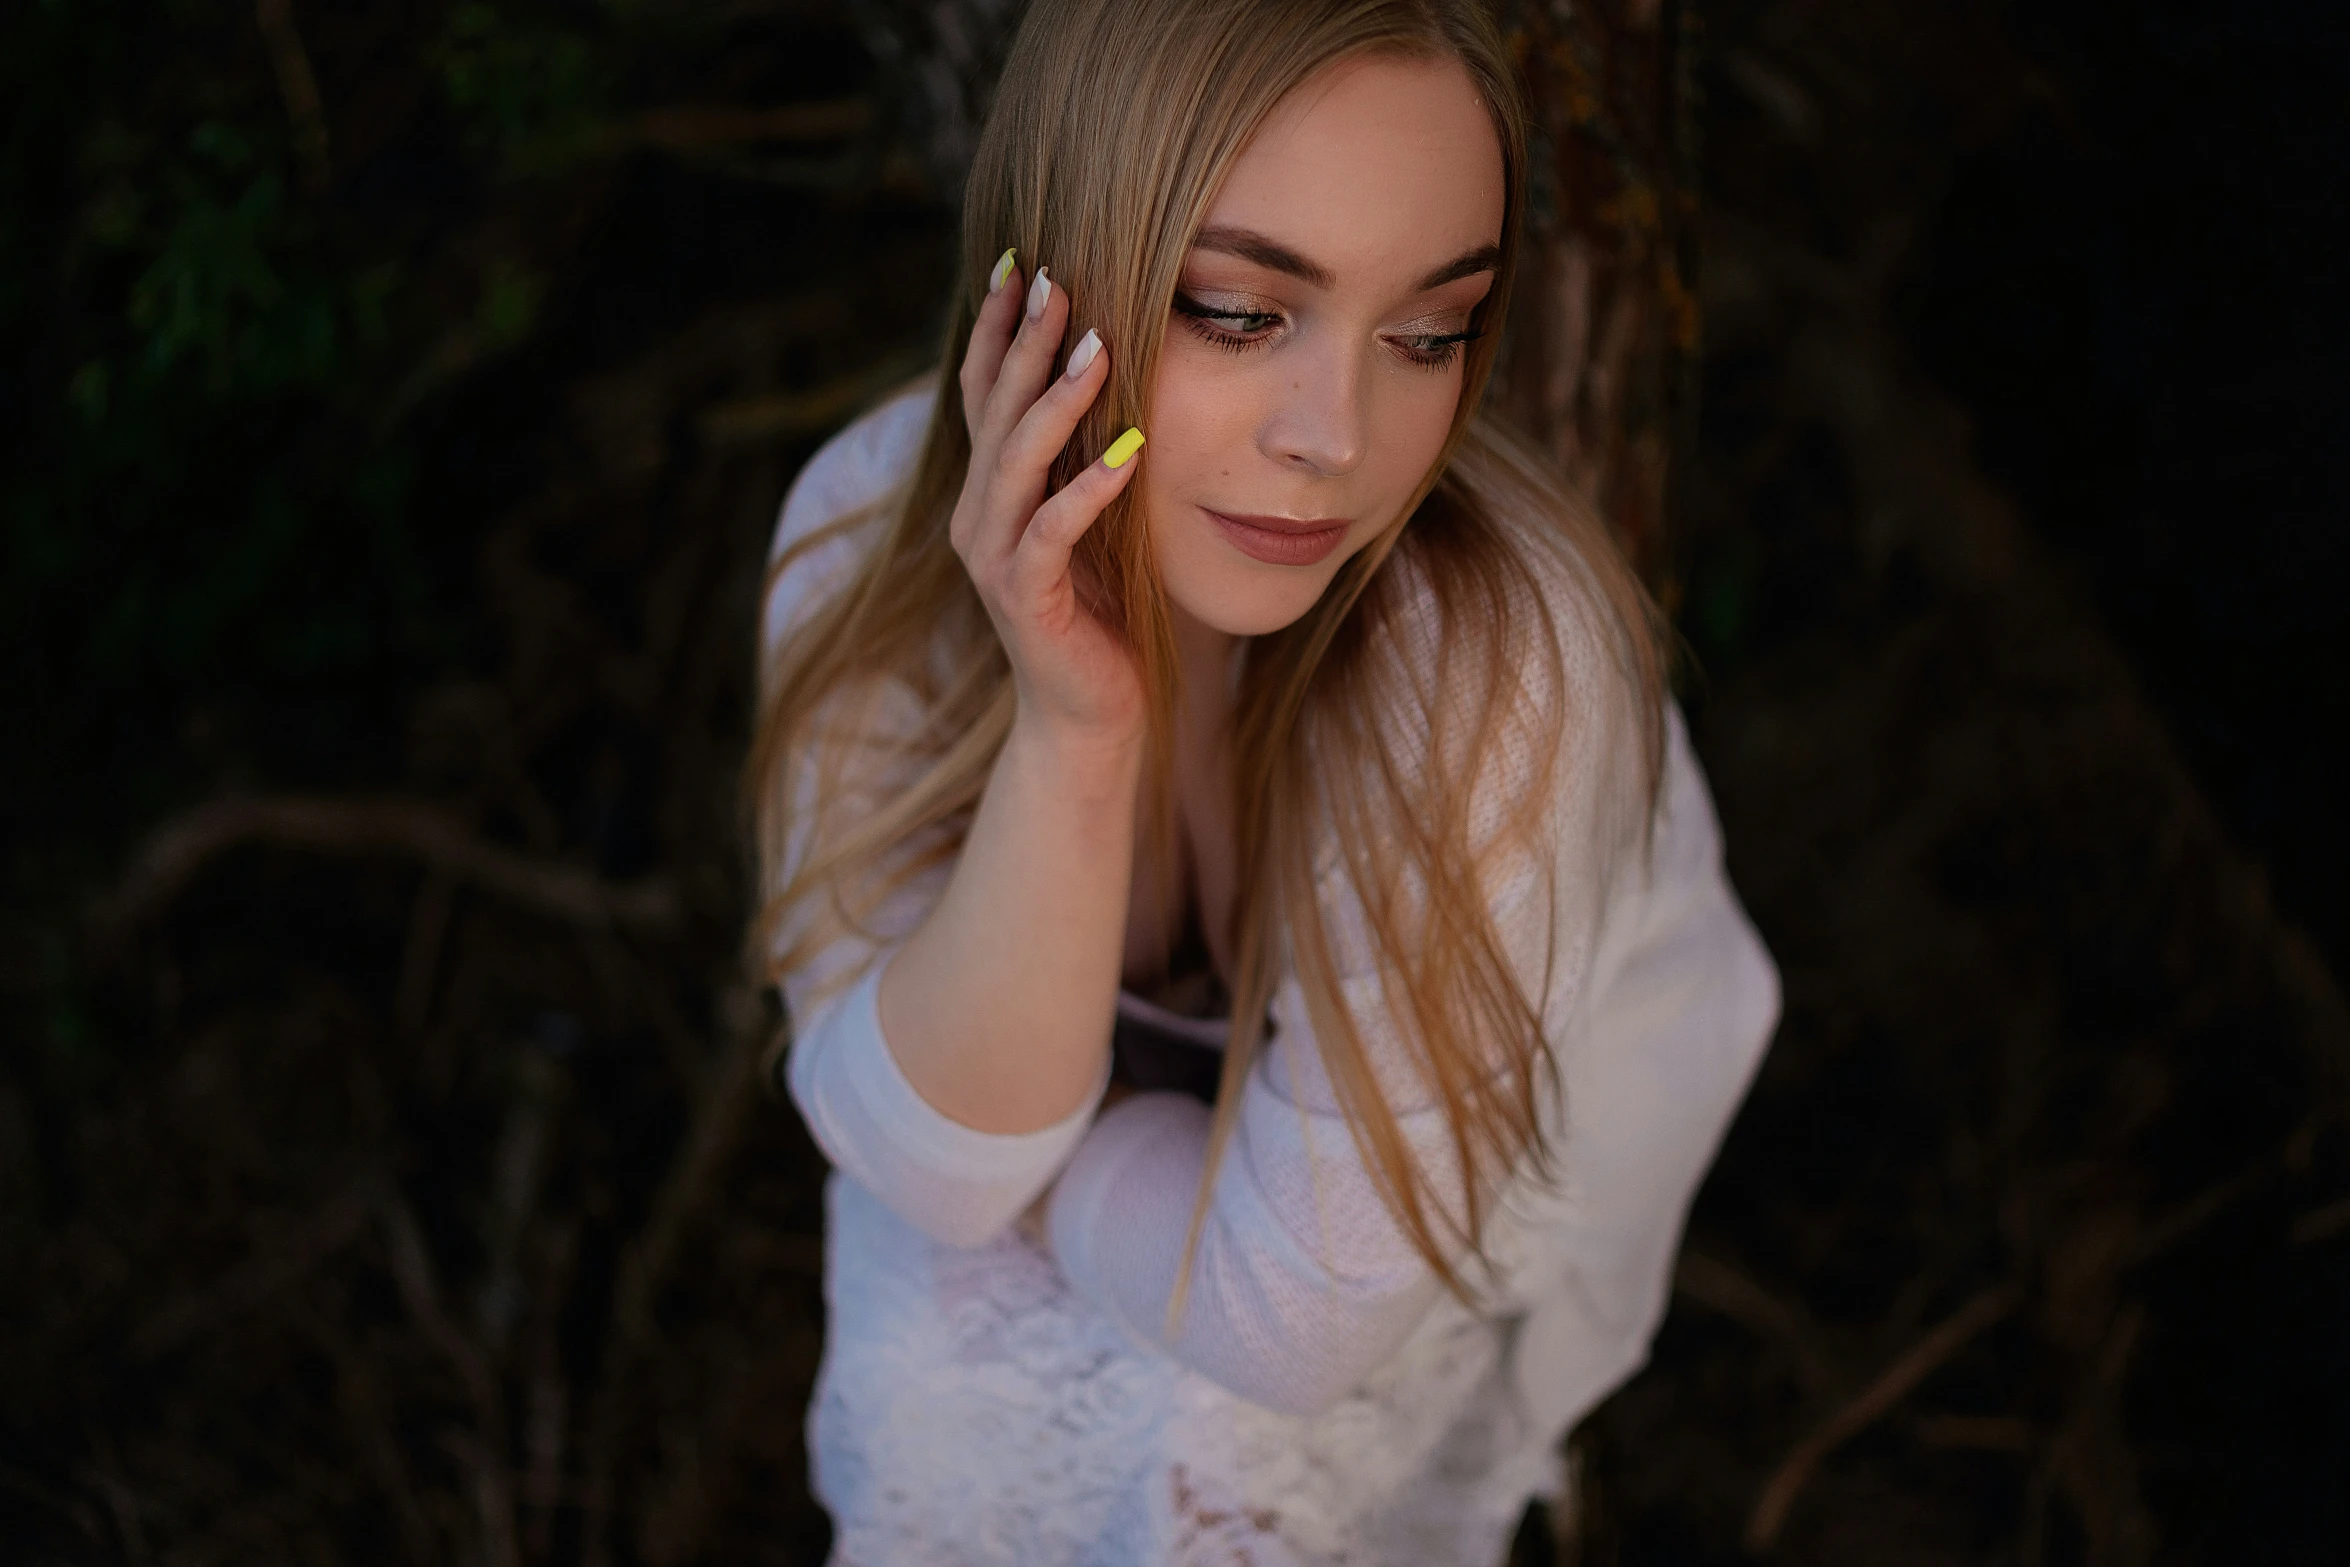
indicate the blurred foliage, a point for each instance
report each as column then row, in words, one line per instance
column 198, row 355
column 527, row 90
column 233, row 352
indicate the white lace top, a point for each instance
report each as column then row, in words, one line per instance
column 985, row 1399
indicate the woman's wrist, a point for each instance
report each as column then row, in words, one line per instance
column 1089, row 762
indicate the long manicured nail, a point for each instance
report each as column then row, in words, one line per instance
column 1123, row 448
column 1003, row 269
column 1082, row 355
column 1038, row 292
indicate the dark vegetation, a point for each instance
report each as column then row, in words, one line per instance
column 398, row 397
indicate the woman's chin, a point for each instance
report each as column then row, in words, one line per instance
column 1249, row 603
column 1222, row 588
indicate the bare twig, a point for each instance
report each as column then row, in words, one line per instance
column 31, row 1488
column 2166, row 1231
column 243, row 1288
column 1978, row 1433
column 732, row 1096
column 2319, row 1223
column 298, row 85
column 2091, row 1457
column 726, row 1108
column 546, row 1423
column 789, row 414
column 539, row 1096
column 691, row 128
column 1893, row 1384
column 1717, row 1285
column 482, row 1450
column 372, row 1431
column 413, row 1274
column 420, row 954
column 102, row 1472
column 183, row 847
column 493, row 1495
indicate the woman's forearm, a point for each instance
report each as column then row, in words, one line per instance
column 999, row 1008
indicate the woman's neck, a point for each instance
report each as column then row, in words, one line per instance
column 1204, row 655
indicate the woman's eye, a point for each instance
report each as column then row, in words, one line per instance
column 1433, row 350
column 1227, row 328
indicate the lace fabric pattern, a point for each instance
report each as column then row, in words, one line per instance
column 972, row 1411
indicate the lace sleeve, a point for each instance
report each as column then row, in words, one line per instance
column 958, row 1185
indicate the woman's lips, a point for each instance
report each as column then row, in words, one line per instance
column 1282, row 541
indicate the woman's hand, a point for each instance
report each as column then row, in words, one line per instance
column 1075, row 677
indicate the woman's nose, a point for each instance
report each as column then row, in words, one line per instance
column 1319, row 423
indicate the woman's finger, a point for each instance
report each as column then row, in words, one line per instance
column 1041, row 559
column 1029, row 447
column 991, row 335
column 1022, row 460
column 1027, row 366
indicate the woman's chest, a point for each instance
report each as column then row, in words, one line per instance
column 1185, row 887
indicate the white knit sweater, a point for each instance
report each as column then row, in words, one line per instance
column 984, row 1399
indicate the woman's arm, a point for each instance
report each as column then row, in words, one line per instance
column 999, row 1009
column 997, row 975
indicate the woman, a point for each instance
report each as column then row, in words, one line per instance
column 1252, row 925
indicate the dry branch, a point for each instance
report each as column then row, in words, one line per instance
column 372, row 1433
column 412, row 1273
column 792, row 415
column 693, row 127
column 2318, row 1223
column 1893, row 1384
column 483, row 1450
column 245, row 1287
column 298, row 85
column 1715, row 1284
column 175, row 854
column 719, row 1120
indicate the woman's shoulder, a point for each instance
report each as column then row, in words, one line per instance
column 855, row 468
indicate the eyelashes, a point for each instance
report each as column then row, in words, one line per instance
column 1240, row 331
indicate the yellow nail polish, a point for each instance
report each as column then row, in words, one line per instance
column 1124, row 447
column 1003, row 269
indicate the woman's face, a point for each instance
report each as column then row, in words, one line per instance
column 1312, row 361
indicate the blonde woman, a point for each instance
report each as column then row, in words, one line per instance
column 1253, row 930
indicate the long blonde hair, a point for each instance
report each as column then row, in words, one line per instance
column 1112, row 129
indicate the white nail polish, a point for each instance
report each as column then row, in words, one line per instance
column 1038, row 292
column 1082, row 355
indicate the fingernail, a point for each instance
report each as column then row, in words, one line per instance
column 1038, row 292
column 1003, row 269
column 1123, row 448
column 1082, row 355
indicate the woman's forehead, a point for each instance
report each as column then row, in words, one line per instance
column 1376, row 172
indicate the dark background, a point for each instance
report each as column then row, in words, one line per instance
column 381, row 1173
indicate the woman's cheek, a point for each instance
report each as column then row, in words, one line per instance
column 1205, row 404
column 1412, row 418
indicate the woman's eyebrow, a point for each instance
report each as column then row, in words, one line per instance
column 1485, row 258
column 1249, row 245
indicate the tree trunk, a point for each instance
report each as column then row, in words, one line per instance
column 1600, row 361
